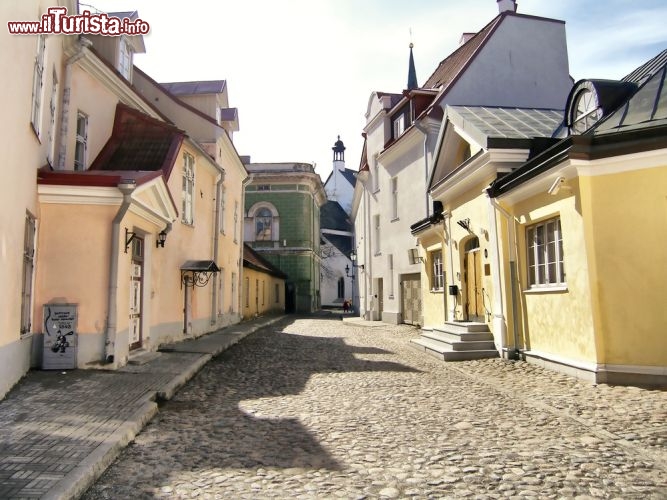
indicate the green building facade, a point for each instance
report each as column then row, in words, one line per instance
column 282, row 223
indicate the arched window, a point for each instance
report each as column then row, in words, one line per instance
column 341, row 287
column 263, row 223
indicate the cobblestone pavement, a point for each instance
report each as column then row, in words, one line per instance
column 317, row 408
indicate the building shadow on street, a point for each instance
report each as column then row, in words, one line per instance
column 268, row 364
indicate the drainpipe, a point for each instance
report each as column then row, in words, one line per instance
column 81, row 44
column 216, row 244
column 452, row 307
column 368, row 270
column 126, row 187
column 239, row 291
column 494, row 208
column 424, row 131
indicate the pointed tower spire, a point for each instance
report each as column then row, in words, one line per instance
column 412, row 73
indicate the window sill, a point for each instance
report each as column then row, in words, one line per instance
column 395, row 219
column 188, row 224
column 437, row 290
column 376, row 191
column 546, row 289
column 377, row 254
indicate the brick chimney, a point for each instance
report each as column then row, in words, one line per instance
column 506, row 6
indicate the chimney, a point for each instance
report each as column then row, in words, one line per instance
column 465, row 37
column 506, row 6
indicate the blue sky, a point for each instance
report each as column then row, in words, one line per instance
column 301, row 71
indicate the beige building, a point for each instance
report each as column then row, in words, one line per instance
column 263, row 289
column 131, row 235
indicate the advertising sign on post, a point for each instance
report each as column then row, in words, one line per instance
column 60, row 337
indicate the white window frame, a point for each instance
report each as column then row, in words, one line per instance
column 222, row 209
column 188, row 215
column 81, row 142
column 376, row 234
column 390, row 266
column 125, row 58
column 376, row 174
column 236, row 220
column 38, row 85
column 398, row 125
column 29, row 236
column 437, row 271
column 50, row 153
column 544, row 255
column 394, row 198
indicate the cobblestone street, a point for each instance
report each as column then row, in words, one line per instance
column 318, row 408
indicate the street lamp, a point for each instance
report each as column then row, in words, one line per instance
column 353, row 258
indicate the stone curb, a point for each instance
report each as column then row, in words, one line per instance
column 168, row 391
column 78, row 480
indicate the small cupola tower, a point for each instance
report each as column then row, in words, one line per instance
column 339, row 155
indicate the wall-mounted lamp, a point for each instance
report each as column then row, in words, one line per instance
column 465, row 224
column 129, row 237
column 353, row 258
column 161, row 238
column 558, row 184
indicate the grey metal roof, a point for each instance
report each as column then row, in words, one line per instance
column 649, row 68
column 198, row 87
column 332, row 216
column 646, row 108
column 507, row 123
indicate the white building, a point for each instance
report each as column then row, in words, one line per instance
column 516, row 60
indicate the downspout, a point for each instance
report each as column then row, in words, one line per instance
column 216, row 244
column 239, row 291
column 81, row 44
column 452, row 307
column 514, row 352
column 126, row 187
column 367, row 252
column 424, row 131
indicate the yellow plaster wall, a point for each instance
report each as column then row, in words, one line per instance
column 473, row 206
column 627, row 228
column 558, row 323
column 72, row 262
column 255, row 306
column 24, row 151
column 91, row 97
column 186, row 242
column 433, row 309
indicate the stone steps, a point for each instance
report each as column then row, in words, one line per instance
column 457, row 341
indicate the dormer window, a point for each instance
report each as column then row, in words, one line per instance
column 584, row 107
column 125, row 58
column 586, row 111
column 399, row 125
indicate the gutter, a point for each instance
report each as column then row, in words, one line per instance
column 424, row 131
column 126, row 187
column 513, row 352
column 81, row 45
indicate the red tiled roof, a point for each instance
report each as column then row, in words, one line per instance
column 253, row 260
column 139, row 143
column 97, row 178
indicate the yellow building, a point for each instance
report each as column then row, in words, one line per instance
column 120, row 219
column 553, row 242
column 31, row 106
column 590, row 221
column 263, row 285
column 466, row 315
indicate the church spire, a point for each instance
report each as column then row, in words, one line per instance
column 412, row 73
